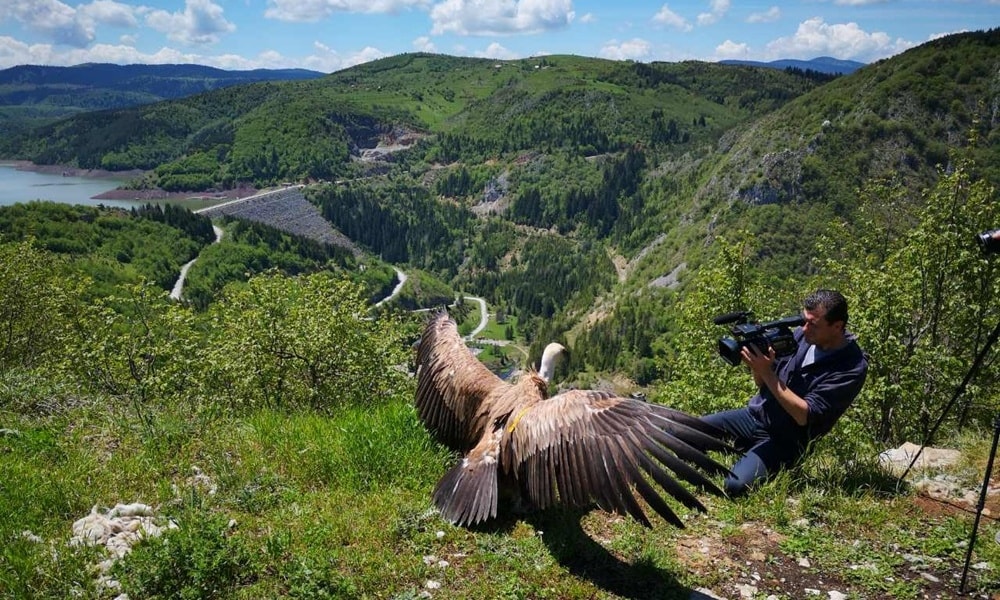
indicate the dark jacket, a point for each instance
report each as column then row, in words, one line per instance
column 828, row 386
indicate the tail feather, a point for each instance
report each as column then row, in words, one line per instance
column 467, row 494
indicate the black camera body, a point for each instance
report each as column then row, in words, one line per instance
column 989, row 241
column 773, row 334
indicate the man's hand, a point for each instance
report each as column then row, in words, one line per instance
column 760, row 364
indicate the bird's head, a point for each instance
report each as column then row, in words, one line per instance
column 552, row 352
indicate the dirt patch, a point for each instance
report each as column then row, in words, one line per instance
column 751, row 563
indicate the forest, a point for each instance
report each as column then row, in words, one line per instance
column 619, row 233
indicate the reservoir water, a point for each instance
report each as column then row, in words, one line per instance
column 25, row 186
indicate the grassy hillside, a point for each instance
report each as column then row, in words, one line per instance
column 306, row 130
column 271, row 449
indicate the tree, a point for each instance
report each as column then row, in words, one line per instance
column 924, row 298
column 302, row 341
column 35, row 303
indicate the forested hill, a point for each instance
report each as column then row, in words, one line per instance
column 583, row 195
column 823, row 64
column 34, row 94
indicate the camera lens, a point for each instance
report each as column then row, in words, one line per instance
column 729, row 350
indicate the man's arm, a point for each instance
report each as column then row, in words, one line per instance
column 763, row 373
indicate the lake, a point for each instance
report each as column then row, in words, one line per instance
column 25, row 186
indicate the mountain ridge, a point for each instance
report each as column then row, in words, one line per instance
column 820, row 64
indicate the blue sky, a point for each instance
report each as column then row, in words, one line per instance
column 328, row 35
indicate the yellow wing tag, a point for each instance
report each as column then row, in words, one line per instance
column 517, row 419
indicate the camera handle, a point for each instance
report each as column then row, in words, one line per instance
column 989, row 463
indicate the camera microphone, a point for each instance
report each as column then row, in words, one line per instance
column 739, row 316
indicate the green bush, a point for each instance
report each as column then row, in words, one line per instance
column 200, row 559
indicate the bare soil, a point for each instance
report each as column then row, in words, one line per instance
column 751, row 563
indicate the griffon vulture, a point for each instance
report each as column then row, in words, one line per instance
column 577, row 448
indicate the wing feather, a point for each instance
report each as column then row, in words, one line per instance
column 468, row 493
column 452, row 386
column 583, row 447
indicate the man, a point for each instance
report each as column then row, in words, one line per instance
column 800, row 397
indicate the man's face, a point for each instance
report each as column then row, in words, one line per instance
column 818, row 331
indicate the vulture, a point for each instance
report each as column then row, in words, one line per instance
column 578, row 448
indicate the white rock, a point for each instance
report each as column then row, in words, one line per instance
column 898, row 459
column 812, row 592
column 804, row 563
column 930, row 577
column 835, row 595
column 746, row 591
column 432, row 585
column 136, row 509
column 31, row 537
column 982, row 566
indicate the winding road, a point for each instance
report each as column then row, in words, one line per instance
column 484, row 317
column 175, row 293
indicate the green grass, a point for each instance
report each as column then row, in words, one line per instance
column 300, row 505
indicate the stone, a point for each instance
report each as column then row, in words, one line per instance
column 898, row 459
column 704, row 594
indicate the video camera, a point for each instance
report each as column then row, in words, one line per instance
column 774, row 334
column 989, row 241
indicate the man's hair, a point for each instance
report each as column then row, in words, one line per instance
column 832, row 300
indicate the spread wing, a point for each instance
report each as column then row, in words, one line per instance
column 584, row 447
column 452, row 386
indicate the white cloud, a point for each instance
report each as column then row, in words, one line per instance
column 424, row 44
column 14, row 52
column 498, row 52
column 590, row 18
column 731, row 49
column 769, row 16
column 53, row 20
column 719, row 8
column 671, row 19
column 815, row 37
column 202, row 22
column 109, row 12
column 935, row 36
column 329, row 60
column 634, row 49
column 315, row 10
column 500, row 17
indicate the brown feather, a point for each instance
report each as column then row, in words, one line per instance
column 578, row 448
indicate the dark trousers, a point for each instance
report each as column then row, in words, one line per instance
column 764, row 454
